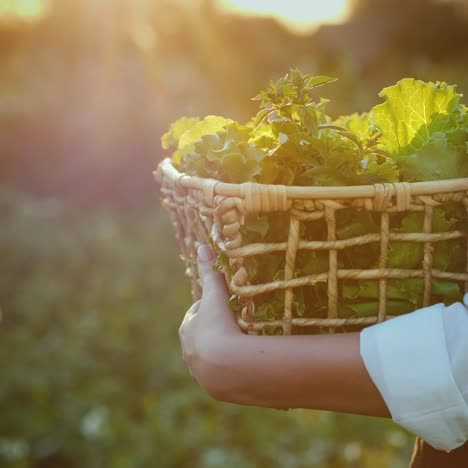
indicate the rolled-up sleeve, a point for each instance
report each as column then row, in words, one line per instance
column 419, row 363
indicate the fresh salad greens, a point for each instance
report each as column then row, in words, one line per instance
column 419, row 133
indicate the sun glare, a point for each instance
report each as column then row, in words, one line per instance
column 22, row 9
column 298, row 14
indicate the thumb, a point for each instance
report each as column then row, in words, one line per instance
column 212, row 281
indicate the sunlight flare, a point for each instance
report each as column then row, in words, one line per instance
column 22, row 9
column 297, row 14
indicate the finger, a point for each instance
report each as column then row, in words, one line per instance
column 212, row 281
column 215, row 299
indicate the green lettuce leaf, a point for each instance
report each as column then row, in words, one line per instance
column 208, row 126
column 369, row 309
column 412, row 113
column 225, row 155
column 385, row 169
column 359, row 124
column 410, row 289
column 176, row 130
column 437, row 160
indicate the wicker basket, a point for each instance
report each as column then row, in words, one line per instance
column 205, row 210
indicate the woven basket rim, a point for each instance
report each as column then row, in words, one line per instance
column 167, row 170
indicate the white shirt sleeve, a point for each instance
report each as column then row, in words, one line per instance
column 419, row 363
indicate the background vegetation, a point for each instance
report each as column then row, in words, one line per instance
column 91, row 292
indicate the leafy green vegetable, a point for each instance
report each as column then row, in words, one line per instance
column 425, row 164
column 419, row 133
column 412, row 113
column 178, row 128
column 208, row 126
column 423, row 124
column 382, row 168
column 225, row 155
column 187, row 131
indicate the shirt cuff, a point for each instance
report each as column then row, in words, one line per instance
column 408, row 361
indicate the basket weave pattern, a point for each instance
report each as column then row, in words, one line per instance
column 204, row 210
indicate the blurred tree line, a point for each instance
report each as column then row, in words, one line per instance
column 87, row 89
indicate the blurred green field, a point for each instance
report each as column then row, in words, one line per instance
column 90, row 367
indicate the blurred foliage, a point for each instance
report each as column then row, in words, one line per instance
column 90, row 367
column 87, row 88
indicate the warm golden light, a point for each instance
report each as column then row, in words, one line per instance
column 298, row 14
column 22, row 9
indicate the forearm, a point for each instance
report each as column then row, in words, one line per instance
column 319, row 372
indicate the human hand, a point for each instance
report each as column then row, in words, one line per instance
column 209, row 332
column 317, row 371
